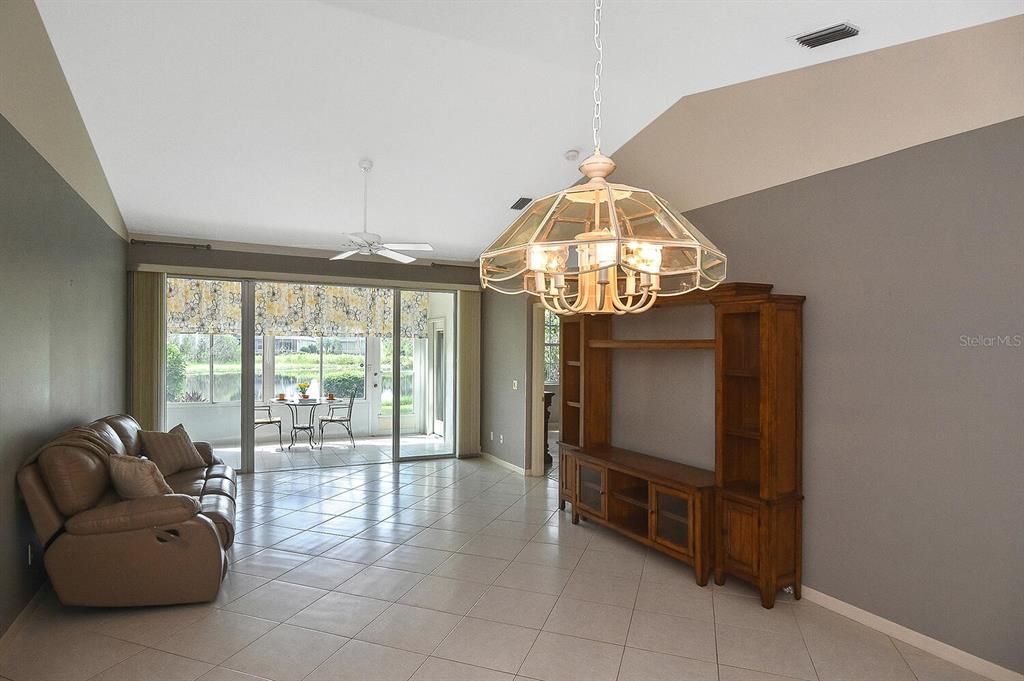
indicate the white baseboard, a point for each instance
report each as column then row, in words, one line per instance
column 929, row 645
column 503, row 463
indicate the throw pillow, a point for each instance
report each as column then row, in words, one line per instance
column 171, row 452
column 203, row 455
column 135, row 478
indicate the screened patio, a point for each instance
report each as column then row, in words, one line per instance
column 328, row 341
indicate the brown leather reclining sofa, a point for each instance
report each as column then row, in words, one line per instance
column 103, row 551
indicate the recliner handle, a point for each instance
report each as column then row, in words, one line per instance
column 165, row 536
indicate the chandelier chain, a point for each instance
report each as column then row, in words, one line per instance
column 598, row 69
column 366, row 194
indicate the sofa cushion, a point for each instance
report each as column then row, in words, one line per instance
column 109, row 435
column 76, row 477
column 128, row 430
column 219, row 486
column 135, row 477
column 221, row 470
column 172, row 452
column 221, row 510
column 188, row 482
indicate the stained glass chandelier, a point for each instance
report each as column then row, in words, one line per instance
column 598, row 247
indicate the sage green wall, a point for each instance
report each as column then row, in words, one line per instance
column 913, row 437
column 63, row 324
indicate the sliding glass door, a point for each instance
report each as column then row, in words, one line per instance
column 289, row 375
column 203, row 370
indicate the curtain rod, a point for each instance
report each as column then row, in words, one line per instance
column 176, row 244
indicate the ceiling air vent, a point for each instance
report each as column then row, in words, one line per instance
column 521, row 203
column 827, row 35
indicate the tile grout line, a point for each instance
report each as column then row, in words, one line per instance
column 636, row 598
column 810, row 657
column 903, row 657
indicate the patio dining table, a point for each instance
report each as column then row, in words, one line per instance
column 298, row 426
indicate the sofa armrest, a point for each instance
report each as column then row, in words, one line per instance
column 134, row 514
column 205, row 450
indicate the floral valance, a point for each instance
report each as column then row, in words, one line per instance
column 204, row 306
column 340, row 311
column 282, row 309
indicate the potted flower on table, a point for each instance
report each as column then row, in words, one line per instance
column 303, row 387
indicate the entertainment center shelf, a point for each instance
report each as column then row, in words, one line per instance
column 742, row 519
column 682, row 344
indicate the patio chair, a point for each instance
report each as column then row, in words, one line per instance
column 264, row 417
column 340, row 414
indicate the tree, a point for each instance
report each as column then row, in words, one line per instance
column 176, row 363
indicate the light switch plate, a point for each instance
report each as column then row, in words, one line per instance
column 515, row 384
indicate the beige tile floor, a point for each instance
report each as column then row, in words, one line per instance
column 479, row 578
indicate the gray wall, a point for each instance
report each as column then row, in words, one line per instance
column 504, row 356
column 676, row 423
column 913, row 443
column 63, row 323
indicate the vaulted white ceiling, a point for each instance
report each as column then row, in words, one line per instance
column 245, row 121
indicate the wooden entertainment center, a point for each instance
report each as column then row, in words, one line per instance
column 744, row 518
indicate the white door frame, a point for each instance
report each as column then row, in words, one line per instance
column 535, row 432
column 374, row 386
column 437, row 425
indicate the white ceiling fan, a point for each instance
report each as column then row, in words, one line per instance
column 368, row 243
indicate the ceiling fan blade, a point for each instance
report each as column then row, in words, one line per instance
column 344, row 254
column 400, row 257
column 409, row 247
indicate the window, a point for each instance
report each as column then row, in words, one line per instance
column 330, row 365
column 188, row 367
column 226, row 367
column 204, row 367
column 344, row 366
column 296, row 360
column 551, row 350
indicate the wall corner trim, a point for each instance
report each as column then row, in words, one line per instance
column 503, row 463
column 928, row 644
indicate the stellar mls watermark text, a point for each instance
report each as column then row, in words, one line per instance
column 998, row 341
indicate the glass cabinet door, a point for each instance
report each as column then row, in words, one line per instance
column 590, row 488
column 672, row 512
